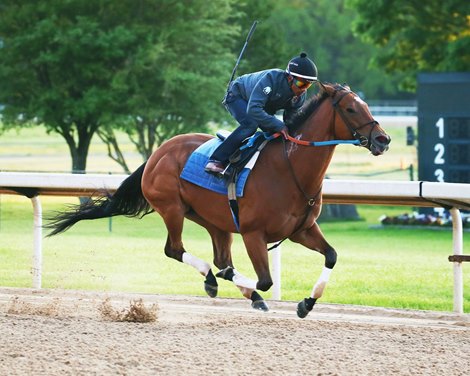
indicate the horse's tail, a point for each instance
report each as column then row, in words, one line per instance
column 128, row 200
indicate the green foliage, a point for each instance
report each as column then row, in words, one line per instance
column 174, row 84
column 416, row 36
column 77, row 66
column 270, row 46
column 324, row 30
column 56, row 66
column 156, row 68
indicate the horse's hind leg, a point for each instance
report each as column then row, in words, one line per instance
column 313, row 238
column 221, row 245
column 173, row 218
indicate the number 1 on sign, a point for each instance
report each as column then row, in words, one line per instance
column 440, row 127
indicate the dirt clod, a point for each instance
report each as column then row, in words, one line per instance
column 136, row 312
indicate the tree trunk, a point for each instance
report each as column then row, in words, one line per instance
column 79, row 163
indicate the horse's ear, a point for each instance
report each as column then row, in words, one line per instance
column 327, row 88
column 346, row 86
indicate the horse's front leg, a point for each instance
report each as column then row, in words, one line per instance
column 313, row 238
column 245, row 285
column 258, row 253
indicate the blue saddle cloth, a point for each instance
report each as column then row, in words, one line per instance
column 194, row 172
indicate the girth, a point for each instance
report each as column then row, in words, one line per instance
column 246, row 154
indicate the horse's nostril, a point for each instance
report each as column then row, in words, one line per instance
column 382, row 139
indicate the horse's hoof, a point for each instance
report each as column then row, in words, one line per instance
column 210, row 285
column 305, row 306
column 211, row 290
column 260, row 305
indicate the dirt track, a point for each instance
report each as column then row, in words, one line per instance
column 51, row 332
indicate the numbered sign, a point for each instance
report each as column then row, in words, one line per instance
column 444, row 127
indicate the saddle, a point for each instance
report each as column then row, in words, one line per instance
column 240, row 158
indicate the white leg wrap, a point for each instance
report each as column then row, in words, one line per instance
column 202, row 266
column 321, row 283
column 242, row 281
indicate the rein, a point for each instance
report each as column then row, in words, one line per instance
column 317, row 143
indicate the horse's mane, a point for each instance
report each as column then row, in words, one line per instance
column 297, row 119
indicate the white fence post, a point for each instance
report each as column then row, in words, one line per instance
column 457, row 242
column 37, row 253
column 276, row 272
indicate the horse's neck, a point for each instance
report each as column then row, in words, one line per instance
column 311, row 162
column 320, row 125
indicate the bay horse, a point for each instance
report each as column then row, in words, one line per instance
column 282, row 198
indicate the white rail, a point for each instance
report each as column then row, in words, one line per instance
column 425, row 194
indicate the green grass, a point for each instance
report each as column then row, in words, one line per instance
column 376, row 267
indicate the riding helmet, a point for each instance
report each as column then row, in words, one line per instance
column 301, row 66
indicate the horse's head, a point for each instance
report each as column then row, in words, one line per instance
column 355, row 119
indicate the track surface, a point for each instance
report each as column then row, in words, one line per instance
column 62, row 332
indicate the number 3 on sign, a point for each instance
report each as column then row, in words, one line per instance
column 439, row 174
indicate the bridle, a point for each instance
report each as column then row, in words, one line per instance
column 363, row 140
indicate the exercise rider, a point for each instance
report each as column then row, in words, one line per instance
column 253, row 99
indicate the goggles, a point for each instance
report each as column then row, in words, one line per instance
column 301, row 84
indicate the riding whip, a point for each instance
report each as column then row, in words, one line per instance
column 252, row 30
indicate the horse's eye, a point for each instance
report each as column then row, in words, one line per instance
column 350, row 110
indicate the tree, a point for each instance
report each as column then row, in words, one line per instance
column 80, row 66
column 269, row 46
column 416, row 36
column 324, row 30
column 176, row 84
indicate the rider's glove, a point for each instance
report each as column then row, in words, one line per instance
column 285, row 132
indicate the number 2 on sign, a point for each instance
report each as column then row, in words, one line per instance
column 439, row 149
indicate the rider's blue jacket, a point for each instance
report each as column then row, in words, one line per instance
column 266, row 92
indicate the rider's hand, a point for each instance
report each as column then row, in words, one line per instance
column 285, row 132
